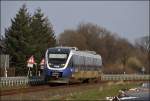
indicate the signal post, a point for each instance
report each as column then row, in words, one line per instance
column 30, row 64
column 42, row 63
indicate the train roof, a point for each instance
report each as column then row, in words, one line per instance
column 71, row 48
column 63, row 48
column 74, row 50
column 86, row 54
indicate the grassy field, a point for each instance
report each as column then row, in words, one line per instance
column 95, row 91
column 98, row 93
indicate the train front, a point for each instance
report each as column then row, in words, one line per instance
column 57, row 70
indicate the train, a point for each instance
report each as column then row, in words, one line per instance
column 70, row 65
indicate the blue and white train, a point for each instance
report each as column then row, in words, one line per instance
column 68, row 64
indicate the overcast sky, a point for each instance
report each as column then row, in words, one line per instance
column 130, row 19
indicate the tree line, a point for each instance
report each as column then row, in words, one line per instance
column 118, row 54
column 28, row 35
column 32, row 35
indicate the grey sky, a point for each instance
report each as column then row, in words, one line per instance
column 130, row 19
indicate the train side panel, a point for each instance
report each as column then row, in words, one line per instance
column 85, row 67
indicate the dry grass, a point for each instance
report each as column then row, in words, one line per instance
column 87, row 92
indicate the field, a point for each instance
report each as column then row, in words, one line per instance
column 98, row 92
column 76, row 92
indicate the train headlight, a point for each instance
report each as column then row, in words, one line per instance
column 49, row 64
column 62, row 65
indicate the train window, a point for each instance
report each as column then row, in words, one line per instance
column 86, row 61
column 91, row 61
column 82, row 60
column 96, row 62
column 71, row 62
column 79, row 61
column 75, row 59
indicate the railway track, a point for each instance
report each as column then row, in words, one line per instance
column 45, row 92
column 48, row 87
column 23, row 90
column 39, row 88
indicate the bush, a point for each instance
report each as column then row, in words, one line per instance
column 134, row 64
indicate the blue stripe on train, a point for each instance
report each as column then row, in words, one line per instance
column 66, row 72
column 47, row 71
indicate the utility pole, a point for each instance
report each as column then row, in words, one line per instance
column 36, row 69
column 143, row 69
column 5, row 66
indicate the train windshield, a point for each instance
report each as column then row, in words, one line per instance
column 57, row 57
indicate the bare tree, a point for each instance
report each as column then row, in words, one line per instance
column 90, row 36
column 143, row 51
column 72, row 38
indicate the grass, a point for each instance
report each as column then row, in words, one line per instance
column 100, row 92
column 88, row 92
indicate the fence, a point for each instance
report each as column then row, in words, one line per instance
column 25, row 81
column 19, row 81
column 128, row 77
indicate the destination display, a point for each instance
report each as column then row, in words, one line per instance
column 60, row 56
